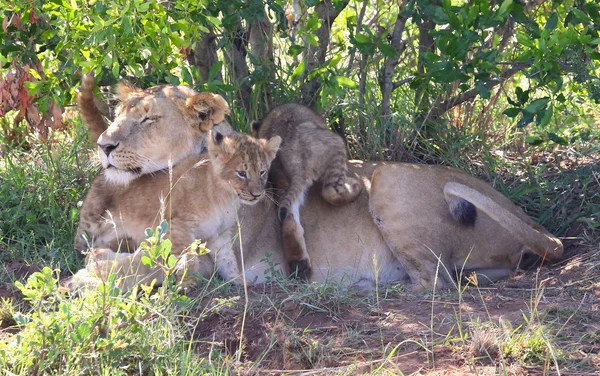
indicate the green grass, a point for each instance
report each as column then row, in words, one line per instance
column 40, row 190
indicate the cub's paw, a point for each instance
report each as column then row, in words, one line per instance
column 300, row 269
column 283, row 212
column 342, row 192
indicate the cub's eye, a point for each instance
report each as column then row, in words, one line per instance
column 263, row 173
column 145, row 120
column 242, row 174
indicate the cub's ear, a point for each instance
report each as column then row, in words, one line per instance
column 218, row 144
column 271, row 146
column 255, row 126
column 207, row 109
column 125, row 89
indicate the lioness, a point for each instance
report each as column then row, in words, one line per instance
column 411, row 221
column 235, row 169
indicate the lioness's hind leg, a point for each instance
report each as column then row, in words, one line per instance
column 294, row 247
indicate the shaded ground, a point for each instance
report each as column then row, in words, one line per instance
column 292, row 328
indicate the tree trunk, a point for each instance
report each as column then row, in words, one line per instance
column 387, row 74
column 237, row 67
column 426, row 44
column 261, row 49
column 315, row 56
column 204, row 55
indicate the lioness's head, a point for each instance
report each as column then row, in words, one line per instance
column 157, row 127
column 242, row 162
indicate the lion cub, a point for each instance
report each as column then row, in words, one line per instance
column 309, row 152
column 201, row 195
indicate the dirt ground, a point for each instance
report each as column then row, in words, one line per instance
column 396, row 332
column 293, row 329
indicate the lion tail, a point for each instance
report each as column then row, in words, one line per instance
column 89, row 110
column 533, row 235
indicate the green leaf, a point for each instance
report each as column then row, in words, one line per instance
column 171, row 261
column 483, row 90
column 524, row 40
column 187, row 76
column 525, row 119
column 34, row 87
column 115, row 69
column 505, row 7
column 295, row 50
column 536, row 106
column 312, row 40
column 558, row 139
column 299, row 71
column 334, row 61
column 345, row 81
column 314, row 23
column 146, row 261
column 512, row 112
column 361, row 38
column 534, row 140
column 552, row 22
column 216, row 68
column 34, row 73
column 580, row 15
column 546, row 117
column 387, row 50
column 164, row 226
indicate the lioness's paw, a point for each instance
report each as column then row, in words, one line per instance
column 300, row 269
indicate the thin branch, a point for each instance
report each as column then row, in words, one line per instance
column 459, row 99
column 404, row 81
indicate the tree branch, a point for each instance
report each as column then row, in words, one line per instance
column 466, row 96
column 315, row 56
column 391, row 62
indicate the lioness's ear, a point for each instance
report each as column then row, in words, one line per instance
column 125, row 89
column 209, row 109
column 271, row 146
column 255, row 126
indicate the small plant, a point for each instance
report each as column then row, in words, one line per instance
column 103, row 329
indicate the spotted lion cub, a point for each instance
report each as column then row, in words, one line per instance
column 309, row 152
column 201, row 194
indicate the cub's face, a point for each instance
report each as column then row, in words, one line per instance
column 156, row 128
column 243, row 162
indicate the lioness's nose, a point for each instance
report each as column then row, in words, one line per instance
column 107, row 147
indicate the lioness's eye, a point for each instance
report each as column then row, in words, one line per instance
column 242, row 174
column 145, row 119
column 262, row 173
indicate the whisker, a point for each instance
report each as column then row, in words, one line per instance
column 271, row 198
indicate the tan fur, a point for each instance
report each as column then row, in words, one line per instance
column 310, row 152
column 199, row 201
column 89, row 110
column 399, row 228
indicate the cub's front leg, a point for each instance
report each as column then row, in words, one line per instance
column 223, row 254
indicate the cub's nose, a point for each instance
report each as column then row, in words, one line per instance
column 108, row 147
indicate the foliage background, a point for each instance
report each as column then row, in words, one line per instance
column 507, row 90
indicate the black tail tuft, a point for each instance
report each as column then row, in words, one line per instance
column 463, row 211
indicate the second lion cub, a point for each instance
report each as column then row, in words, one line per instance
column 309, row 152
